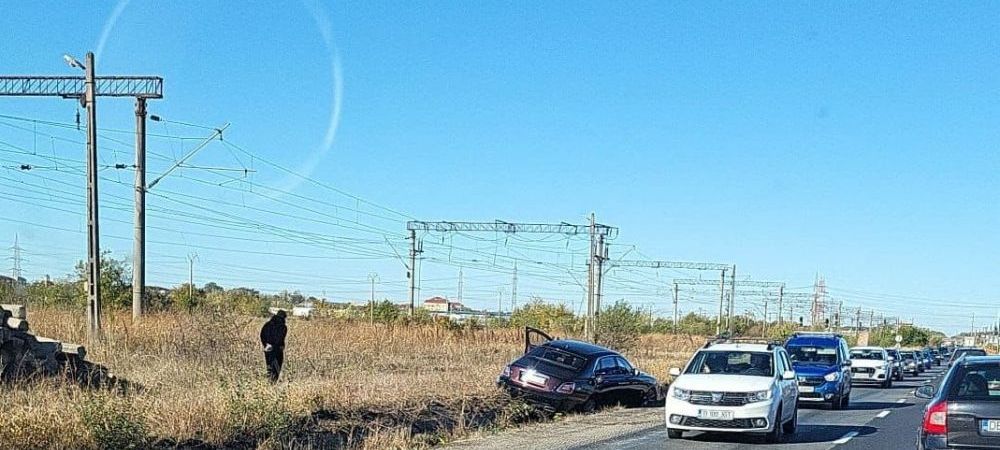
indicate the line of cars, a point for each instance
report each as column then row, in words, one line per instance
column 755, row 387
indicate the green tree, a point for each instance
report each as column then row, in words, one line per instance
column 545, row 316
column 116, row 282
column 620, row 325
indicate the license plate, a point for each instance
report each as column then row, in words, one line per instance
column 806, row 389
column 712, row 414
column 534, row 378
column 991, row 426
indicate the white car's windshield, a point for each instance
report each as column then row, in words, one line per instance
column 732, row 363
column 867, row 354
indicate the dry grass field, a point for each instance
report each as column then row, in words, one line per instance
column 197, row 381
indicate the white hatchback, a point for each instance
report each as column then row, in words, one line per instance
column 734, row 387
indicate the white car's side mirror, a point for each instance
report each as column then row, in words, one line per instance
column 788, row 375
column 675, row 371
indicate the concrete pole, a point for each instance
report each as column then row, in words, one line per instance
column 781, row 296
column 722, row 302
column 139, row 241
column 93, row 222
column 732, row 303
column 675, row 307
column 413, row 270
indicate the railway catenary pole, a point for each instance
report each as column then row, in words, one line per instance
column 139, row 240
column 675, row 306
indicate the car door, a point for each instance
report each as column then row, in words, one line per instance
column 607, row 374
column 629, row 379
column 845, row 367
column 789, row 388
column 534, row 337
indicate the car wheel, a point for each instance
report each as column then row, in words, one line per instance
column 674, row 434
column 836, row 403
column 845, row 402
column 589, row 406
column 792, row 425
column 776, row 435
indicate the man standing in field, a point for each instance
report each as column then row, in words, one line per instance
column 272, row 337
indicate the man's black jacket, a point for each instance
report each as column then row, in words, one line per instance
column 273, row 332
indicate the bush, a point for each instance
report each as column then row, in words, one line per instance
column 619, row 326
column 545, row 316
column 114, row 422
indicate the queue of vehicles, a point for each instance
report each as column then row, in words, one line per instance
column 755, row 387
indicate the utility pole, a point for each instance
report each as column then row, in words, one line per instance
column 588, row 323
column 513, row 292
column 598, row 291
column 781, row 297
column 732, row 303
column 460, row 281
column 413, row 270
column 675, row 307
column 722, row 301
column 191, row 258
column 499, row 303
column 93, row 223
column 139, row 241
column 16, row 271
column 840, row 313
column 764, row 326
column 373, row 277
column 857, row 324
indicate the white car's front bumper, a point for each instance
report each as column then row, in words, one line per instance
column 878, row 376
column 681, row 415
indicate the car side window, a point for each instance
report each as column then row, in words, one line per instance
column 623, row 364
column 784, row 362
column 779, row 363
column 605, row 364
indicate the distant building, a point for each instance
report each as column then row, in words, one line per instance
column 443, row 305
column 304, row 311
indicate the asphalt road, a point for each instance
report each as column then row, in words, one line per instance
column 883, row 419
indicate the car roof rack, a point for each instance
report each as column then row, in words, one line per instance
column 817, row 333
column 771, row 343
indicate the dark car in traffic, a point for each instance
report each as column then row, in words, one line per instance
column 964, row 411
column 960, row 353
column 564, row 375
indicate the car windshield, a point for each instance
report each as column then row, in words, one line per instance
column 732, row 363
column 906, row 355
column 866, row 354
column 558, row 356
column 979, row 382
column 811, row 354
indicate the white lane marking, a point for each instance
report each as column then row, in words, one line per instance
column 883, row 414
column 843, row 439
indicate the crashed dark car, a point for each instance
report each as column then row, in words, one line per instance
column 564, row 375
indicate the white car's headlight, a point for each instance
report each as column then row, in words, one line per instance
column 832, row 376
column 759, row 396
column 681, row 394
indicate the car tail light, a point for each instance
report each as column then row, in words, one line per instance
column 936, row 418
column 506, row 372
column 566, row 388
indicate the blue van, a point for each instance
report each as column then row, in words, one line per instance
column 822, row 365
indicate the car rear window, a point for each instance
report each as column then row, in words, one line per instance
column 979, row 382
column 559, row 357
column 866, row 354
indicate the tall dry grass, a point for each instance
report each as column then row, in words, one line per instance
column 344, row 384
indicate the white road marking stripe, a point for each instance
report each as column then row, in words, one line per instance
column 883, row 414
column 902, row 400
column 843, row 439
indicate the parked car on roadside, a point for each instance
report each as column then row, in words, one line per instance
column 964, row 411
column 962, row 352
column 897, row 364
column 734, row 386
column 871, row 365
column 563, row 375
column 822, row 366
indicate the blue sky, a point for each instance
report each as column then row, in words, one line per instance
column 853, row 140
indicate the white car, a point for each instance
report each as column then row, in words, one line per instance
column 871, row 365
column 734, row 387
